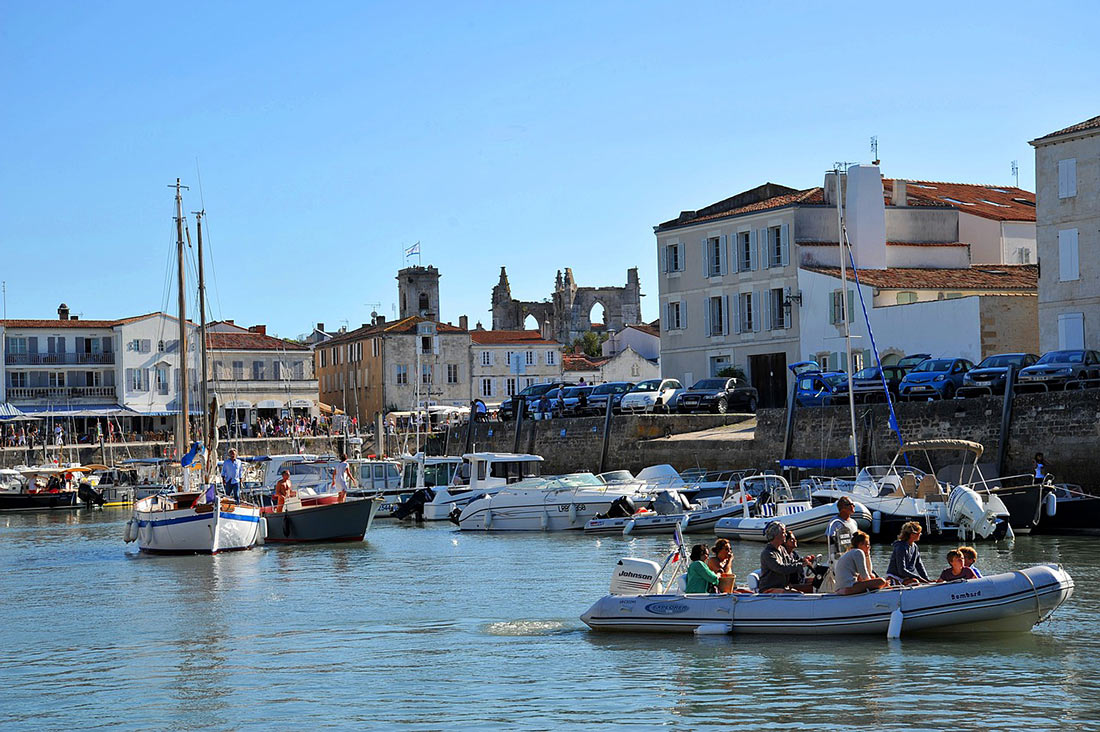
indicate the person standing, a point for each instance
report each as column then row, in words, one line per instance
column 1040, row 467
column 342, row 477
column 283, row 491
column 232, row 471
column 58, row 435
column 841, row 529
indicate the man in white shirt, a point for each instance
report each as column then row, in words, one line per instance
column 842, row 528
column 342, row 477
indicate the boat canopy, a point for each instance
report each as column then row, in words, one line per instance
column 924, row 445
column 822, row 464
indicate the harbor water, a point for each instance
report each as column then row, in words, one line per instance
column 429, row 628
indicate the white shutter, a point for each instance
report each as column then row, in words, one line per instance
column 706, row 267
column 1068, row 263
column 1067, row 178
column 785, row 234
column 706, row 317
column 762, row 241
column 435, row 345
column 789, row 316
column 145, row 379
column 680, row 251
column 756, row 310
column 726, row 314
column 663, row 256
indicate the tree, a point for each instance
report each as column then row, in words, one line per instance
column 733, row 372
column 589, row 344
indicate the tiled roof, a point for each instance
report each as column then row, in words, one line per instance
column 647, row 328
column 891, row 244
column 506, row 337
column 581, row 362
column 405, row 325
column 724, row 209
column 1089, row 124
column 250, row 342
column 1000, row 203
column 78, row 322
column 982, row 277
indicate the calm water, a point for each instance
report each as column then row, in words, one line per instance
column 429, row 628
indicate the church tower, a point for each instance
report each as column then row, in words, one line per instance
column 503, row 309
column 418, row 292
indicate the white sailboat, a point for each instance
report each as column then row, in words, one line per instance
column 187, row 521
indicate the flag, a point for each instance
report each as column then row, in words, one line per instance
column 414, row 249
column 196, row 448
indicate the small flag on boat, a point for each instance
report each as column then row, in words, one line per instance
column 196, row 448
column 414, row 249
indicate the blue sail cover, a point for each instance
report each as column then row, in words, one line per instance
column 822, row 464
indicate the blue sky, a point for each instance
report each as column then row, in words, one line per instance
column 536, row 136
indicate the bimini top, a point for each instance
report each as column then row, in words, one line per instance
column 922, row 445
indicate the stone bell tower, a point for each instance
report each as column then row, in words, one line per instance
column 418, row 292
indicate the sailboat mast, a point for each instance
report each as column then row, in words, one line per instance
column 842, row 237
column 202, row 332
column 183, row 434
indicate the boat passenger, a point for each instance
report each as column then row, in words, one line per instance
column 232, row 473
column 283, row 491
column 778, row 569
column 790, row 543
column 853, row 571
column 721, row 557
column 700, row 577
column 906, row 566
column 957, row 570
column 842, row 526
column 970, row 556
column 342, row 476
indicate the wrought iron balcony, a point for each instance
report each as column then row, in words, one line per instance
column 59, row 359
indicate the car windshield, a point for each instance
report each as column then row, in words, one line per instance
column 1063, row 357
column 867, row 373
column 714, row 384
column 837, row 379
column 1010, row 359
column 934, row 364
column 611, row 389
column 650, row 385
column 536, row 389
column 576, row 391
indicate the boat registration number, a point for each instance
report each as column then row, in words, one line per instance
column 564, row 508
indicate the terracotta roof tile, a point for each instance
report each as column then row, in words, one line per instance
column 581, row 362
column 250, row 342
column 1000, row 203
column 982, row 277
column 405, row 325
column 720, row 210
column 78, row 322
column 648, row 328
column 504, row 337
column 1089, row 124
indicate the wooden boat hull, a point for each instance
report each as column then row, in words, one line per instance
column 347, row 521
column 195, row 530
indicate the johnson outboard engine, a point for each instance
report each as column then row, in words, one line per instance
column 89, row 495
column 669, row 503
column 413, row 505
column 621, row 507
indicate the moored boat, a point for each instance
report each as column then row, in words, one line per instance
column 180, row 523
column 347, row 520
column 775, row 500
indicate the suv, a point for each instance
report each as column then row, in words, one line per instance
column 935, row 377
column 613, row 390
column 867, row 383
column 991, row 373
column 1058, row 368
column 821, row 388
column 528, row 397
column 717, row 395
column 651, row 395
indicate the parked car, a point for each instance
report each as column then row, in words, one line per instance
column 613, row 390
column 934, row 377
column 718, row 395
column 867, row 383
column 1057, row 368
column 651, row 395
column 910, row 362
column 992, row 372
column 821, row 388
column 528, row 397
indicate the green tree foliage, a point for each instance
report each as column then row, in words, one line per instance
column 733, row 372
column 589, row 344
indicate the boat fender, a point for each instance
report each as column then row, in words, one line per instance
column 572, row 513
column 544, row 521
column 628, row 527
column 1051, row 502
column 896, row 619
column 876, row 523
column 131, row 531
column 713, row 629
column 488, row 517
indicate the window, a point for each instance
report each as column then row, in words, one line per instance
column 423, row 301
column 510, row 386
column 904, row 298
column 776, row 302
column 425, row 373
column 17, row 345
column 530, row 358
column 238, row 370
column 715, row 263
column 528, row 382
column 277, row 369
column 258, row 370
column 674, row 316
column 300, row 370
column 323, row 356
column 745, row 248
column 551, row 358
column 717, row 316
column 1067, row 178
column 486, row 358
column 837, row 305
column 1068, row 265
column 17, row 378
column 452, row 373
column 375, row 346
column 162, row 380
column 402, row 374
column 160, row 347
column 674, row 258
column 486, row 387
column 508, row 358
column 745, row 309
column 425, row 344
column 138, row 379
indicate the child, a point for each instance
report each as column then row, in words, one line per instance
column 957, row 570
column 970, row 556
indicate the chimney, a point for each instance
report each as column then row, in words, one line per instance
column 321, row 327
column 62, row 312
column 230, row 321
column 74, row 317
column 463, row 322
column 897, row 198
column 381, row 320
column 261, row 329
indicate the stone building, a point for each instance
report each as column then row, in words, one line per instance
column 1067, row 182
column 567, row 315
column 418, row 292
column 504, row 362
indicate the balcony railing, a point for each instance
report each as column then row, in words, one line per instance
column 60, row 392
column 59, row 359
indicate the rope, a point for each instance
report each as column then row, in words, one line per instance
column 1035, row 592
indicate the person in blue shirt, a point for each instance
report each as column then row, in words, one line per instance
column 232, row 472
column 700, row 577
column 970, row 556
column 906, row 566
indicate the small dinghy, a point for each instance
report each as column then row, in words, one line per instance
column 1009, row 602
column 667, row 511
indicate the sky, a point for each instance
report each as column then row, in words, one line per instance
column 322, row 138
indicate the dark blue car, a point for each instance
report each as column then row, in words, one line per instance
column 817, row 388
column 935, row 378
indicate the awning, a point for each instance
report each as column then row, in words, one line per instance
column 238, row 404
column 76, row 410
column 157, row 413
column 7, row 411
column 269, row 404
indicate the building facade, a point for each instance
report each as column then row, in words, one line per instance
column 644, row 339
column 1067, row 182
column 505, row 362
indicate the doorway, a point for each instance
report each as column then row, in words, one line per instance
column 768, row 374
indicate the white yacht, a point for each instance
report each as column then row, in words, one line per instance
column 767, row 497
column 443, row 484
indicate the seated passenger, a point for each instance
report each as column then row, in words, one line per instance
column 970, row 556
column 906, row 566
column 853, row 570
column 700, row 578
column 790, row 543
column 778, row 569
column 957, row 570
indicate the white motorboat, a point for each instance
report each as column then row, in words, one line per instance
column 177, row 523
column 560, row 503
column 775, row 500
column 442, row 484
column 1011, row 601
column 668, row 510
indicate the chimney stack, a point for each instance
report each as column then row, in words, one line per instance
column 381, row 320
column 321, row 327
column 463, row 322
column 261, row 329
column 62, row 312
column 898, row 196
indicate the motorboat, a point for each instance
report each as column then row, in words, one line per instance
column 342, row 520
column 969, row 508
column 769, row 498
column 559, row 503
column 1069, row 510
column 646, row 596
column 665, row 512
column 47, row 488
column 472, row 475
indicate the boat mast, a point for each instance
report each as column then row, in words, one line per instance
column 202, row 332
column 842, row 237
column 183, row 434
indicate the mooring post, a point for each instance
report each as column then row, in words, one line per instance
column 470, row 428
column 519, row 405
column 1006, row 419
column 789, row 437
column 606, row 432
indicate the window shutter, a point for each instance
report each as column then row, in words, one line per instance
column 785, row 234
column 762, row 241
column 80, row 344
column 737, row 307
column 668, row 316
column 146, row 345
column 788, row 317
column 851, row 304
column 32, row 344
column 723, row 248
column 1067, row 178
column 753, row 264
column 706, row 267
column 662, row 256
column 706, row 317
column 683, row 315
column 766, row 311
column 435, row 345
column 129, row 379
column 1068, row 267
column 726, row 313
column 756, row 310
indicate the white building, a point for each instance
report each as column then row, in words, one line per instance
column 1067, row 181
column 504, row 362
column 643, row 338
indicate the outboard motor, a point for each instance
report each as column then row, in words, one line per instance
column 413, row 505
column 634, row 576
column 668, row 503
column 621, row 507
column 965, row 508
column 90, row 496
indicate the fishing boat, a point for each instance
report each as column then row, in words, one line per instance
column 342, row 520
column 646, row 596
column 773, row 499
column 47, row 488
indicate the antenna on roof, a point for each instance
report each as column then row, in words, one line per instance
column 1016, row 172
column 874, row 150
